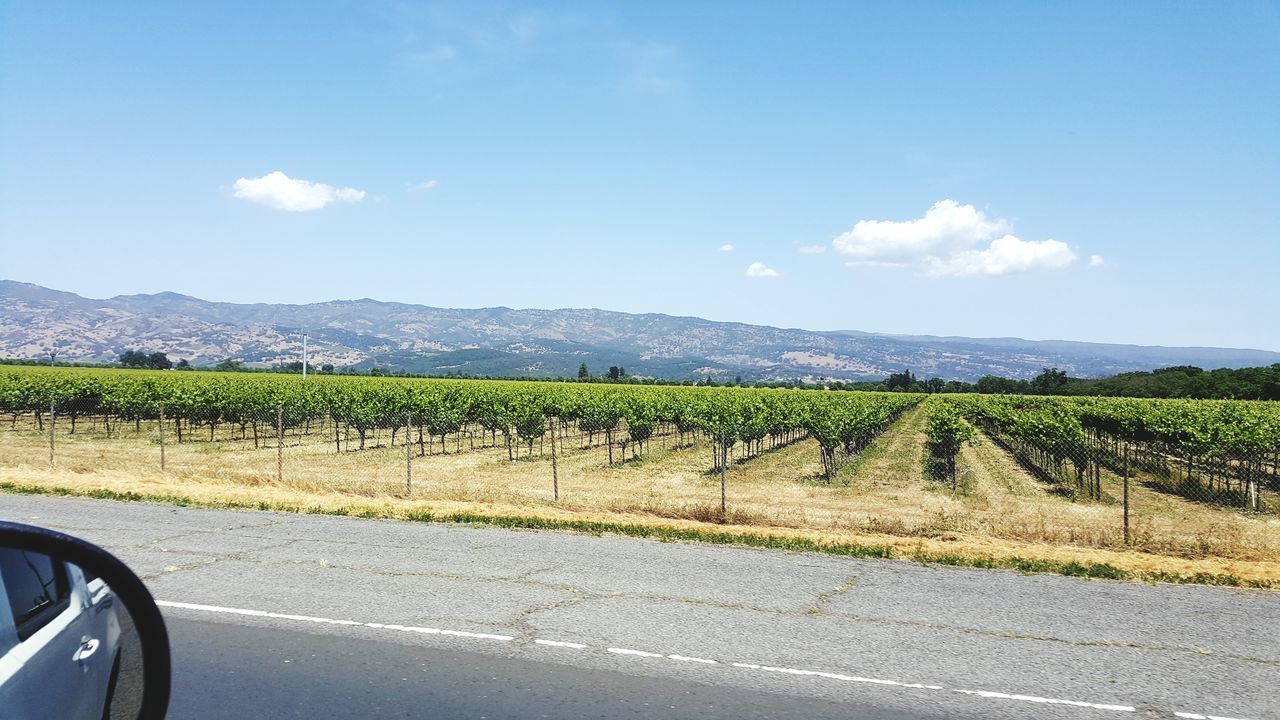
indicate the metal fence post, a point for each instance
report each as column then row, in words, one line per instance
column 1253, row 485
column 1126, row 493
column 408, row 458
column 555, row 471
column 280, row 444
column 52, row 417
column 724, row 462
column 161, row 438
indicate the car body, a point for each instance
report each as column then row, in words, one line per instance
column 59, row 639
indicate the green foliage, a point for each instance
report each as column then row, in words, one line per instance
column 1183, row 381
column 516, row 409
column 139, row 359
column 900, row 381
column 1220, row 428
column 946, row 432
column 849, row 421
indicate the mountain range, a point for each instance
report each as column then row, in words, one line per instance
column 366, row 333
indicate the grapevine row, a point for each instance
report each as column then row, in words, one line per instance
column 1220, row 450
column 522, row 412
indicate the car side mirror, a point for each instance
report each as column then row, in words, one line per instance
column 80, row 635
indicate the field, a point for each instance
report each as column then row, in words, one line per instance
column 854, row 471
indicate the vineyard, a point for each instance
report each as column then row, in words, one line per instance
column 1215, row 451
column 368, row 411
column 1187, row 480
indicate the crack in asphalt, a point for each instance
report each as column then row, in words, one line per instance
column 1016, row 635
column 239, row 555
column 345, row 542
column 196, row 533
column 827, row 596
column 520, row 625
column 382, row 572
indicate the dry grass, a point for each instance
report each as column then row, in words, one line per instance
column 883, row 498
column 998, row 499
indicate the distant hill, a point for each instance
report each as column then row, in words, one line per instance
column 503, row 341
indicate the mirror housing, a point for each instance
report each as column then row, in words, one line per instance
column 126, row 587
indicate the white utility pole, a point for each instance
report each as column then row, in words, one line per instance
column 304, row 356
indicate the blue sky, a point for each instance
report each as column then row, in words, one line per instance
column 1085, row 171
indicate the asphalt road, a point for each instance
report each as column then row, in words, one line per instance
column 314, row 616
column 279, row 673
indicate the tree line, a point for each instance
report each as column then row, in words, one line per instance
column 1180, row 382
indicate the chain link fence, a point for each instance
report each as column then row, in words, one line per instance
column 1151, row 484
column 375, row 454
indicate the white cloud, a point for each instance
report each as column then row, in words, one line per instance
column 1006, row 255
column 946, row 226
column 726, row 248
column 951, row 239
column 422, row 186
column 279, row 191
column 1096, row 261
column 812, row 249
column 759, row 269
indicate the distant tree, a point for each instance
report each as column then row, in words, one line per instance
column 229, row 365
column 376, row 371
column 737, row 380
column 182, row 364
column 139, row 359
column 1050, row 382
column 615, row 372
column 996, row 385
column 326, row 368
column 900, row 381
column 583, row 372
column 1270, row 389
column 1180, row 370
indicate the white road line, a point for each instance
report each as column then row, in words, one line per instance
column 1047, row 701
column 561, row 643
column 833, row 676
column 679, row 658
column 640, row 653
column 686, row 658
column 253, row 613
column 331, row 621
